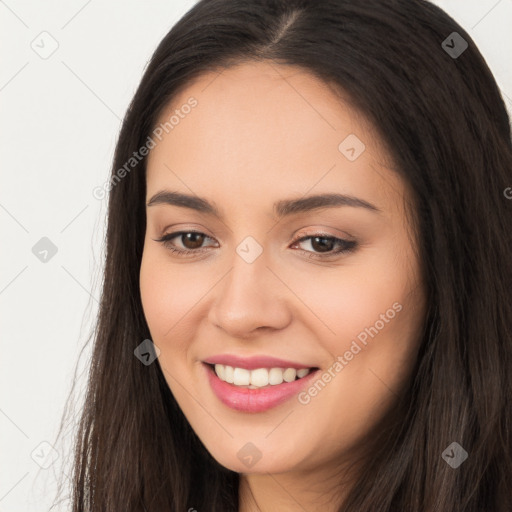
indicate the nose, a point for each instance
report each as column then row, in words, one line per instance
column 250, row 298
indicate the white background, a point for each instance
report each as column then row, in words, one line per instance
column 60, row 118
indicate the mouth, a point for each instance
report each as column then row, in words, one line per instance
column 259, row 377
column 259, row 389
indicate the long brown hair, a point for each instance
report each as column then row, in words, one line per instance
column 443, row 119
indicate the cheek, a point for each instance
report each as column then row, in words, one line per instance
column 371, row 317
column 168, row 296
column 350, row 297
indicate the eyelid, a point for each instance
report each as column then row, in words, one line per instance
column 307, row 232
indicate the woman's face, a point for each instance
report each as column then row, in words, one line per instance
column 326, row 283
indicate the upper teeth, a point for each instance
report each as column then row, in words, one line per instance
column 259, row 377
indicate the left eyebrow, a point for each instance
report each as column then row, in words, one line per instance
column 282, row 208
column 305, row 204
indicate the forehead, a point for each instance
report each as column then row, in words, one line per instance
column 261, row 129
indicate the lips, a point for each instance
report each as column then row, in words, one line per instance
column 255, row 400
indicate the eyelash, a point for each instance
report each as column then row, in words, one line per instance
column 347, row 246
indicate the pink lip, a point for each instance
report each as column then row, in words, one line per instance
column 255, row 400
column 252, row 363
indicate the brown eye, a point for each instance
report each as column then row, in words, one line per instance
column 192, row 240
column 325, row 246
column 185, row 243
column 322, row 243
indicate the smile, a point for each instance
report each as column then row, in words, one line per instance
column 260, row 377
column 256, row 390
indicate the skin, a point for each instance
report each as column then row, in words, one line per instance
column 260, row 133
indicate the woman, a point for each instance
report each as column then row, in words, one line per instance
column 306, row 302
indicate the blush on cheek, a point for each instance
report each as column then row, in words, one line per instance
column 371, row 325
column 351, row 310
column 168, row 304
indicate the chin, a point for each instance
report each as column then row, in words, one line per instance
column 247, row 458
